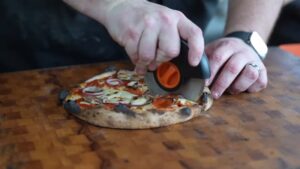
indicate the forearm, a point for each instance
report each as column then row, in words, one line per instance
column 95, row 9
column 253, row 15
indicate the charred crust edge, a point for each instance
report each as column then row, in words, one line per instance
column 185, row 112
column 204, row 98
column 110, row 68
column 155, row 111
column 125, row 110
column 72, row 107
column 62, row 95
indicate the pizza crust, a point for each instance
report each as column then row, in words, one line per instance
column 151, row 119
column 135, row 117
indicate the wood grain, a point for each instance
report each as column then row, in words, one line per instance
column 249, row 131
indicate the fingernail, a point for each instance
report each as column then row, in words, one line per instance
column 215, row 95
column 206, row 82
column 195, row 61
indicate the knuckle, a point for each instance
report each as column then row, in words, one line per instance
column 220, row 84
column 131, row 33
column 179, row 14
column 172, row 52
column 195, row 31
column 145, row 57
column 227, row 43
column 252, row 74
column 165, row 16
column 217, row 58
column 196, row 48
column 149, row 21
column 232, row 68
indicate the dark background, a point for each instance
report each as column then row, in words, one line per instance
column 287, row 28
column 47, row 33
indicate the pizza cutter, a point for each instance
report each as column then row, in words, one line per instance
column 178, row 77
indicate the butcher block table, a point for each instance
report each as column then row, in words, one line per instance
column 245, row 131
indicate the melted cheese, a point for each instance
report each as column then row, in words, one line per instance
column 101, row 76
column 73, row 97
column 116, row 96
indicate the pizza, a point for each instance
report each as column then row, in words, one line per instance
column 121, row 99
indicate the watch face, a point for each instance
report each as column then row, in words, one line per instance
column 259, row 45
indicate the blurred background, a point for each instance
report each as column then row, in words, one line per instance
column 50, row 23
column 286, row 30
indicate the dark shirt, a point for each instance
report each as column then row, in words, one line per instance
column 287, row 28
column 47, row 33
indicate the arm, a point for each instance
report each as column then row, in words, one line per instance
column 235, row 66
column 254, row 15
column 96, row 9
column 150, row 33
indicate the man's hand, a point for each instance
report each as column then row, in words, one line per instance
column 234, row 66
column 150, row 33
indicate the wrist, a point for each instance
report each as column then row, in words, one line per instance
column 252, row 39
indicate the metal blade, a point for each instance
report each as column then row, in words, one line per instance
column 154, row 88
column 192, row 89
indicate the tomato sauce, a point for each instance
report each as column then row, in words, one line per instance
column 110, row 106
column 134, row 91
column 77, row 91
column 86, row 105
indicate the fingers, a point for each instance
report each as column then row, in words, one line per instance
column 193, row 35
column 169, row 44
column 261, row 82
column 147, row 46
column 218, row 54
column 131, row 41
column 247, row 77
column 228, row 74
column 158, row 43
column 131, row 50
column 159, row 40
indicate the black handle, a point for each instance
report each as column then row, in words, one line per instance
column 201, row 71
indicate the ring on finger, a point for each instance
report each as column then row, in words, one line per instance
column 255, row 66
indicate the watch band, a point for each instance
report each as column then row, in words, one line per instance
column 246, row 37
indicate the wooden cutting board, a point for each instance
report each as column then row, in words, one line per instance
column 249, row 131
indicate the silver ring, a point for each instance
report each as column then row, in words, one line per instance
column 255, row 66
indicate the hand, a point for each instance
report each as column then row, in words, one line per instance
column 234, row 66
column 151, row 33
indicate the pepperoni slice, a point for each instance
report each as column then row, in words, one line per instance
column 162, row 102
column 135, row 91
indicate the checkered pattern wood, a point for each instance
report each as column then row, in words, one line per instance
column 249, row 131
